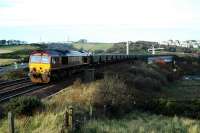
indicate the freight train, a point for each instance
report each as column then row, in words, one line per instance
column 47, row 65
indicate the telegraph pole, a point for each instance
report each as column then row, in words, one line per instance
column 127, row 48
column 153, row 50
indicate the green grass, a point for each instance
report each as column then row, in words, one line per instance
column 18, row 51
column 13, row 48
column 3, row 51
column 4, row 62
column 93, row 46
column 138, row 122
column 183, row 89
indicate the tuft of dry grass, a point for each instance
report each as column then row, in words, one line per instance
column 78, row 93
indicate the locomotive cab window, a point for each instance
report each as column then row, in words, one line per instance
column 39, row 59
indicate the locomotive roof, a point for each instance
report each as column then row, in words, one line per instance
column 61, row 53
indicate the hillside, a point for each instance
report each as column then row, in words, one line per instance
column 11, row 54
column 93, row 46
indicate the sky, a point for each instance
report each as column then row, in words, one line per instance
column 99, row 20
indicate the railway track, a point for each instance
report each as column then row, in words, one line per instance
column 14, row 88
column 7, row 94
column 5, row 84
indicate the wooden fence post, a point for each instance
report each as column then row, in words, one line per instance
column 70, row 118
column 91, row 112
column 66, row 116
column 11, row 126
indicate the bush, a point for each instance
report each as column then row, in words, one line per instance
column 114, row 93
column 168, row 107
column 14, row 74
column 147, row 83
column 24, row 105
column 1, row 112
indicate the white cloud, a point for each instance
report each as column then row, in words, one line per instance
column 139, row 13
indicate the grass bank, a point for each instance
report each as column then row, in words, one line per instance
column 139, row 122
column 93, row 46
column 4, row 62
column 13, row 48
column 21, row 52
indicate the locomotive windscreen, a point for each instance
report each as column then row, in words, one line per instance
column 39, row 59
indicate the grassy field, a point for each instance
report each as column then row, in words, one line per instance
column 93, row 46
column 18, row 51
column 7, row 61
column 3, row 51
column 138, row 122
column 8, row 49
column 183, row 89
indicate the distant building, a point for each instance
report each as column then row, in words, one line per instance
column 3, row 42
column 12, row 42
column 186, row 44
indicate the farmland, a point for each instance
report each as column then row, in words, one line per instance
column 4, row 62
column 93, row 46
column 8, row 54
column 9, row 49
column 3, row 51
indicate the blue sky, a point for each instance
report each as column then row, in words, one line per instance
column 99, row 20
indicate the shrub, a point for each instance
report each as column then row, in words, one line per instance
column 14, row 74
column 147, row 83
column 1, row 112
column 24, row 105
column 173, row 107
column 114, row 93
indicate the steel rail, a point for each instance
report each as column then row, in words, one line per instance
column 21, row 91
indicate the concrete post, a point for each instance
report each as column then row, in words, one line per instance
column 11, row 126
column 153, row 50
column 127, row 48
